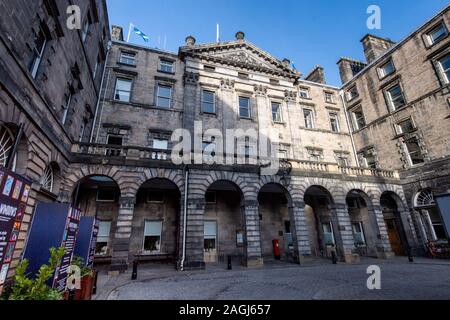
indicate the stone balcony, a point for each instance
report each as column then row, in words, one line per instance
column 135, row 153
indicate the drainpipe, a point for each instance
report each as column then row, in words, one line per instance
column 341, row 94
column 186, row 183
column 100, row 91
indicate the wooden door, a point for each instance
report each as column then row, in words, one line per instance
column 394, row 237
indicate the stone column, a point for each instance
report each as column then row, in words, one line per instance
column 195, row 224
column 300, row 234
column 383, row 246
column 121, row 242
column 343, row 232
column 253, row 234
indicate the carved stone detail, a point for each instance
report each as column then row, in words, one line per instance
column 226, row 83
column 260, row 90
column 190, row 78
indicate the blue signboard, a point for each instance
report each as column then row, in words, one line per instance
column 87, row 240
column 443, row 203
column 54, row 225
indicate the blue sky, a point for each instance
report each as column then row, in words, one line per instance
column 307, row 32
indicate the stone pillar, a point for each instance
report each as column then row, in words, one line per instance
column 195, row 224
column 343, row 232
column 121, row 242
column 253, row 234
column 384, row 249
column 300, row 234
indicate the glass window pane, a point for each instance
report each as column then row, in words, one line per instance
column 104, row 228
column 153, row 228
column 437, row 33
column 164, row 91
column 160, row 144
column 210, row 229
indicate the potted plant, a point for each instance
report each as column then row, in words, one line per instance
column 25, row 288
column 87, row 280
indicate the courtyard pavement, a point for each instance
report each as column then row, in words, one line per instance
column 424, row 279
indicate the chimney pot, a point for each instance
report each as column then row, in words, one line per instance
column 190, row 41
column 240, row 35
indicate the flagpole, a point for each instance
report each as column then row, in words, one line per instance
column 218, row 33
column 129, row 32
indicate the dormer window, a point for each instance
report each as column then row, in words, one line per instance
column 352, row 93
column 166, row 66
column 128, row 58
column 436, row 34
column 386, row 69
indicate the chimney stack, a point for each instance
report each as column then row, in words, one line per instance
column 317, row 75
column 348, row 68
column 117, row 33
column 375, row 46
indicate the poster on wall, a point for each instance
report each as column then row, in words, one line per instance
column 14, row 192
column 54, row 225
column 87, row 240
column 443, row 203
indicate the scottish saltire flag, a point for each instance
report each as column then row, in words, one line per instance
column 140, row 33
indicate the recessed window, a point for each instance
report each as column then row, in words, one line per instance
column 152, row 236
column 413, row 150
column 303, row 93
column 123, row 90
column 342, row 161
column 66, row 107
column 38, row 51
column 97, row 63
column 276, row 112
column 328, row 235
column 386, row 69
column 166, row 66
column 210, row 197
column 160, row 144
column 437, row 34
column 104, row 229
column 444, row 68
column 106, row 195
column 367, row 159
column 85, row 30
column 243, row 75
column 210, row 236
column 308, row 115
column 114, row 140
column 156, row 196
column 395, row 97
column 128, row 58
column 334, row 121
column 164, row 96
column 208, row 101
column 244, row 107
column 358, row 234
column 352, row 93
column 329, row 97
column 315, row 155
column 358, row 120
column 405, row 126
column 282, row 154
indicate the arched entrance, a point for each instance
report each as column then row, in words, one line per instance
column 363, row 221
column 275, row 222
column 8, row 133
column 430, row 220
column 394, row 225
column 98, row 196
column 224, row 223
column 322, row 224
column 154, row 236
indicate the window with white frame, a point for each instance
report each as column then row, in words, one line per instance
column 244, row 107
column 328, row 235
column 161, row 144
column 308, row 115
column 152, row 236
column 128, row 58
column 358, row 234
column 104, row 229
column 386, row 69
column 276, row 112
column 164, row 96
column 405, row 126
column 413, row 151
column 82, row 130
column 97, row 63
column 444, row 68
column 208, row 101
column 40, row 43
column 395, row 97
column 85, row 30
column 47, row 179
column 357, row 117
column 368, row 159
column 436, row 34
column 66, row 107
column 329, row 97
column 352, row 93
column 334, row 121
column 303, row 93
column 166, row 66
column 210, row 236
column 341, row 158
column 123, row 89
column 315, row 154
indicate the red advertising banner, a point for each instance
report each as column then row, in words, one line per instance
column 14, row 192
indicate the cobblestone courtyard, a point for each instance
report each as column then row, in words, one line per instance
column 424, row 279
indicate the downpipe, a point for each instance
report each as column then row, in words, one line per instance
column 186, row 185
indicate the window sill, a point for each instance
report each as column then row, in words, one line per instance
column 429, row 46
column 126, row 64
column 166, row 72
column 245, row 118
column 209, row 114
column 279, row 123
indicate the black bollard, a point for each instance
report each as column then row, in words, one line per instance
column 71, row 296
column 409, row 253
column 94, row 289
column 135, row 269
column 230, row 267
column 333, row 257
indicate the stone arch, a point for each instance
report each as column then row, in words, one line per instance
column 215, row 176
column 332, row 188
column 174, row 176
column 376, row 193
column 277, row 180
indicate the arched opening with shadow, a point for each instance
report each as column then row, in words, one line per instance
column 8, row 135
column 363, row 221
column 321, row 220
column 98, row 196
column 391, row 206
column 154, row 236
column 275, row 222
column 224, row 223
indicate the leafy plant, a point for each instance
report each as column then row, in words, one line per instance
column 25, row 288
column 80, row 263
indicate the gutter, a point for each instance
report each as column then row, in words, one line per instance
column 186, row 183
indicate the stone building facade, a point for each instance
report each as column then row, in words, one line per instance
column 49, row 81
column 398, row 101
column 105, row 131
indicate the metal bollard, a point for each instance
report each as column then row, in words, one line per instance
column 230, row 267
column 333, row 257
column 94, row 289
column 135, row 269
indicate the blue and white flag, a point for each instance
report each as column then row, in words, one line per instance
column 140, row 33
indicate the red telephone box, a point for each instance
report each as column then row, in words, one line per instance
column 276, row 249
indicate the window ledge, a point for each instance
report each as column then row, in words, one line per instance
column 209, row 114
column 126, row 64
column 166, row 72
